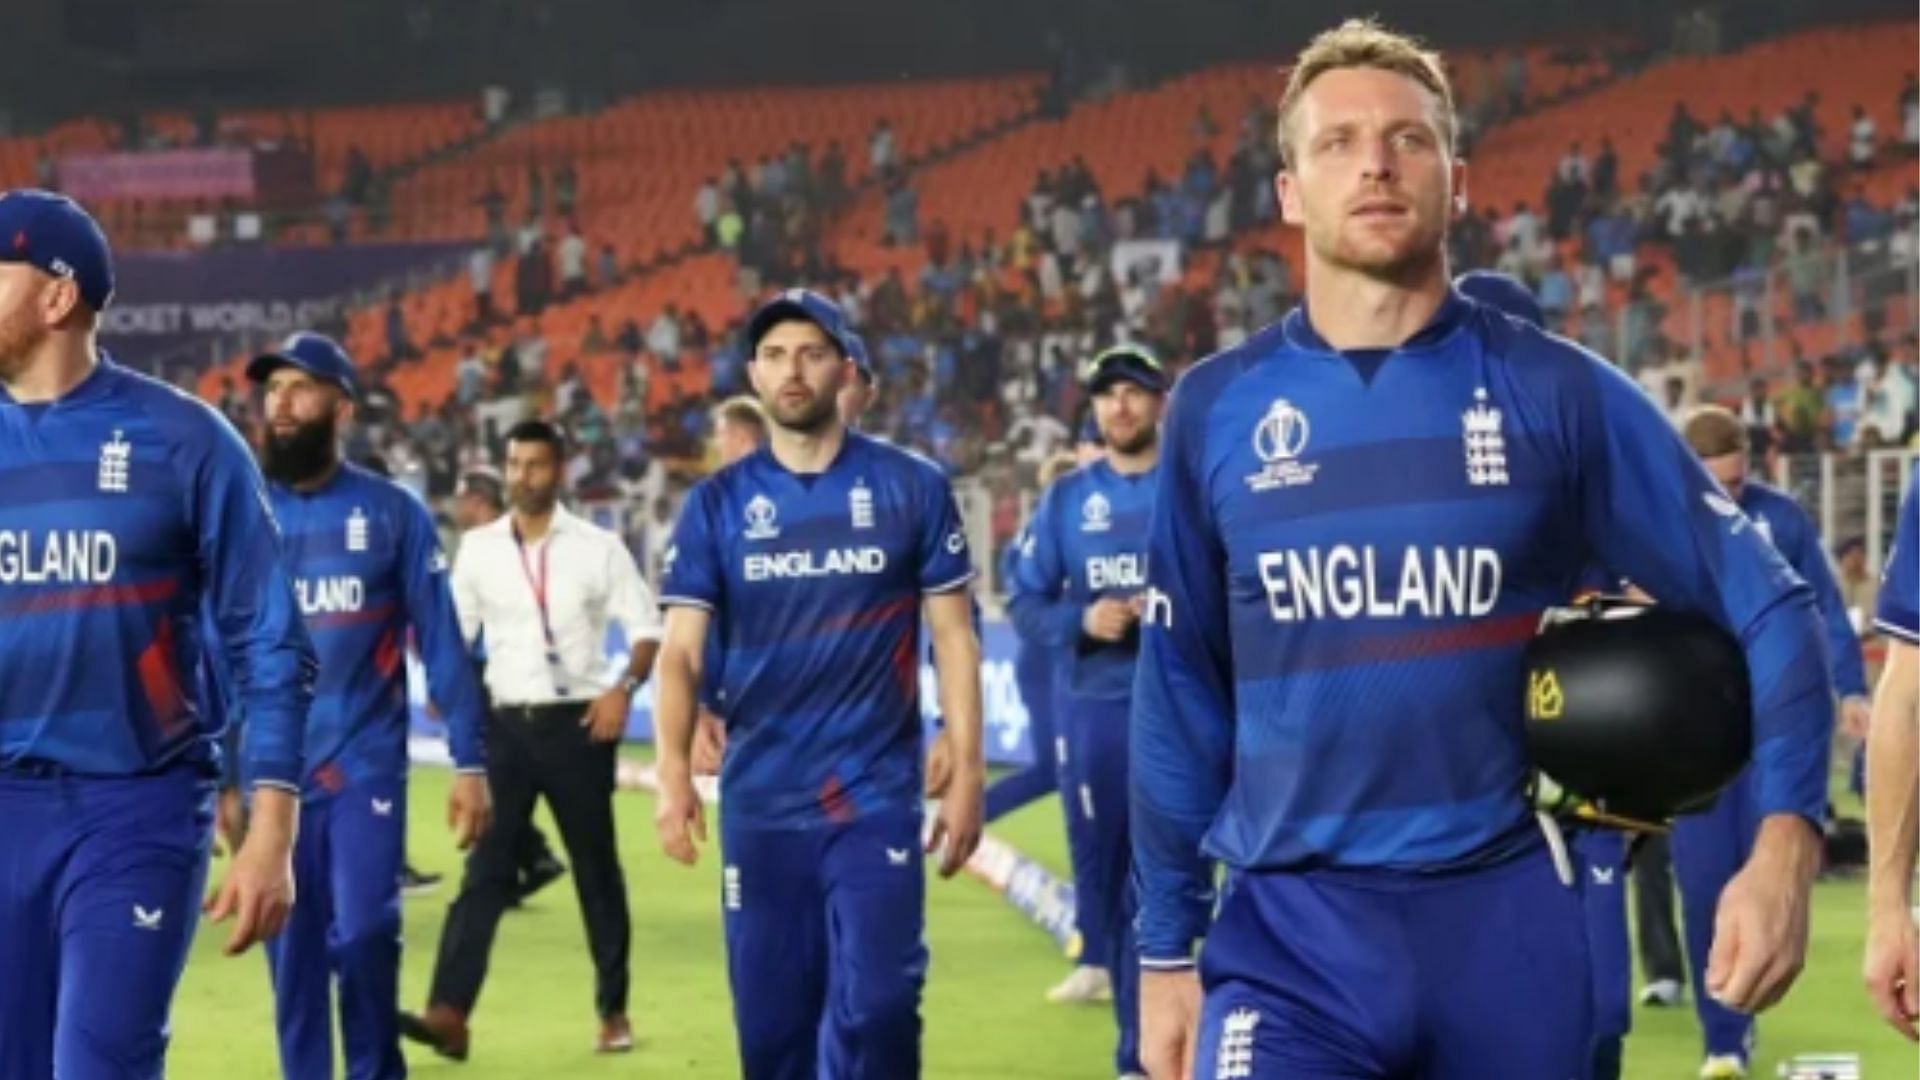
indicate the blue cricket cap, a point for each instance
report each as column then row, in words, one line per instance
column 807, row 306
column 862, row 360
column 54, row 235
column 1125, row 363
column 1502, row 292
column 316, row 354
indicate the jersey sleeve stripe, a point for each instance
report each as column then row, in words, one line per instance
column 949, row 586
column 1904, row 633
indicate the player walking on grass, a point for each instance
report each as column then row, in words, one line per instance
column 1361, row 513
column 368, row 570
column 1710, row 846
column 134, row 516
column 813, row 560
column 1077, row 590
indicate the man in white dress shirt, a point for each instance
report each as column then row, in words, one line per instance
column 541, row 587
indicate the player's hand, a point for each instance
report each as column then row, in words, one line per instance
column 709, row 744
column 1760, row 930
column 1855, row 712
column 469, row 809
column 606, row 718
column 956, row 826
column 1892, row 969
column 678, row 816
column 229, row 822
column 1169, row 1022
column 258, row 892
column 939, row 765
column 1108, row 619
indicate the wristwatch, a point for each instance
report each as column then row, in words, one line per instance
column 632, row 684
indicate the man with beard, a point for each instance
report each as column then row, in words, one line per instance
column 1361, row 514
column 479, row 500
column 367, row 571
column 137, row 540
column 1078, row 590
column 813, row 561
column 544, row 586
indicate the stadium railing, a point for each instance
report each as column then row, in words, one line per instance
column 1747, row 327
column 1850, row 495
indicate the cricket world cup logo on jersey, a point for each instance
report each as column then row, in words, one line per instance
column 1096, row 514
column 1486, row 446
column 1278, row 440
column 760, row 515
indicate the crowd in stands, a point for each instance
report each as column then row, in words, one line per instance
column 976, row 350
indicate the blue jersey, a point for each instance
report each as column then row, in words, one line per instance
column 815, row 584
column 1794, row 535
column 136, row 530
column 1347, row 559
column 367, row 567
column 1897, row 612
column 1087, row 541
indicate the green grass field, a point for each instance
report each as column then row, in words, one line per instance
column 985, row 1018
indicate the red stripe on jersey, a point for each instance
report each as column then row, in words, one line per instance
column 835, row 803
column 334, row 620
column 330, row 778
column 906, row 667
column 386, row 655
column 161, row 683
column 1465, row 637
column 90, row 596
column 878, row 616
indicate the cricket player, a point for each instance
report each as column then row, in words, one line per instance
column 813, row 561
column 1892, row 969
column 1078, row 589
column 1709, row 847
column 1361, row 513
column 368, row 570
column 136, row 539
column 1039, row 673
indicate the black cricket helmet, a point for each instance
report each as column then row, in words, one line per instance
column 1635, row 712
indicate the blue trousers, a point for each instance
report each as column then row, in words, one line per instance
column 1103, row 863
column 1602, row 855
column 826, row 954
column 100, row 889
column 1091, row 919
column 1708, row 849
column 1373, row 975
column 345, row 927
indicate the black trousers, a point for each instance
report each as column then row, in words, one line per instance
column 540, row 752
column 1653, row 911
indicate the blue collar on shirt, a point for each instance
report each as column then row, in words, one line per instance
column 845, row 453
column 1453, row 311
